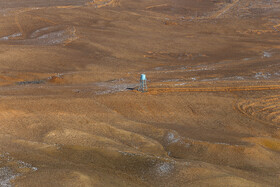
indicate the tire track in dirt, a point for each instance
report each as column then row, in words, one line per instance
column 71, row 30
column 104, row 3
column 264, row 109
column 26, row 10
column 18, row 24
column 224, row 10
column 155, row 6
column 154, row 91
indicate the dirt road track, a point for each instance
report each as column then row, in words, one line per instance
column 224, row 10
column 214, row 89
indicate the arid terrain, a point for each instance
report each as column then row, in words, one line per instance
column 71, row 115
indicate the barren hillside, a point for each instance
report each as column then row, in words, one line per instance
column 71, row 114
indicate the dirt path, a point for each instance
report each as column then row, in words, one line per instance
column 214, row 89
column 18, row 24
column 98, row 4
column 103, row 3
column 225, row 9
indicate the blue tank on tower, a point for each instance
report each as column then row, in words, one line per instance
column 143, row 77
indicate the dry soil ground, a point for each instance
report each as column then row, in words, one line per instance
column 70, row 114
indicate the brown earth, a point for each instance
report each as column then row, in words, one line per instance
column 71, row 114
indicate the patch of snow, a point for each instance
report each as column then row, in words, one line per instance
column 171, row 80
column 165, row 168
column 11, row 36
column 239, row 77
column 213, row 79
column 52, row 35
column 26, row 165
column 261, row 75
column 113, row 88
column 267, row 54
column 34, row 34
column 158, row 68
column 172, row 138
column 6, row 175
column 181, row 84
column 234, row 78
